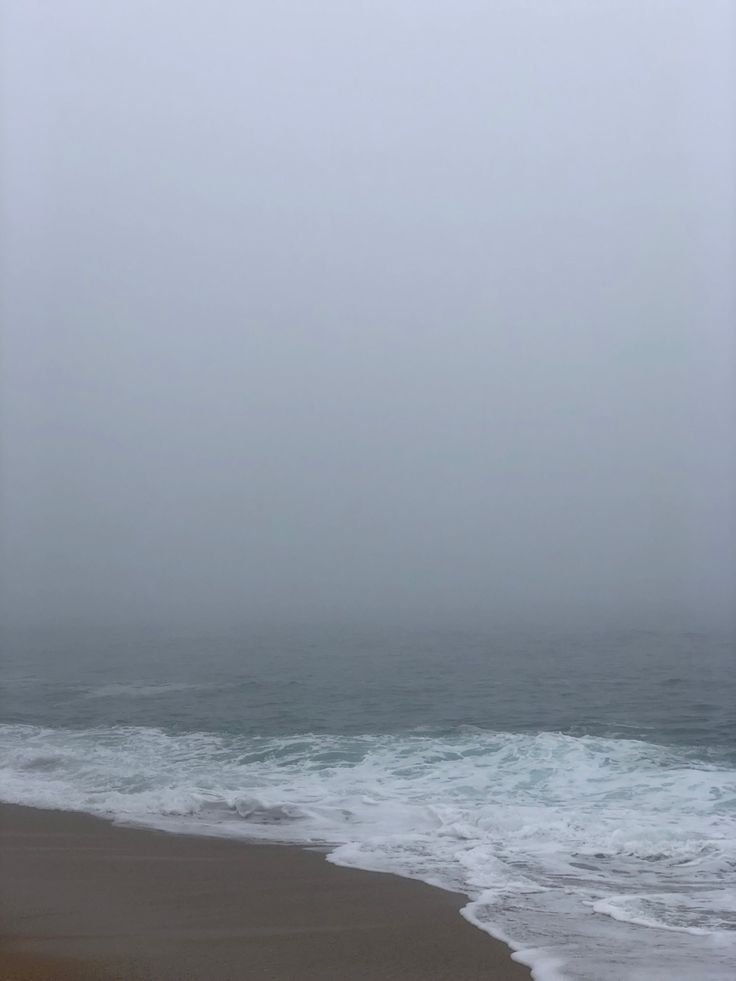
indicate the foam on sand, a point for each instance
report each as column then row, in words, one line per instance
column 592, row 857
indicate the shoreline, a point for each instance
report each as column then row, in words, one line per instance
column 82, row 899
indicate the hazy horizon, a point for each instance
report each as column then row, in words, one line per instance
column 413, row 313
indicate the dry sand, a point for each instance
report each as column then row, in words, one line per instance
column 82, row 900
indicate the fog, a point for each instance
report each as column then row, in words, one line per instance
column 402, row 310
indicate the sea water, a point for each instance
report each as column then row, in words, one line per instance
column 579, row 790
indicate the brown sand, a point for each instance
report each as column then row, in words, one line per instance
column 82, row 900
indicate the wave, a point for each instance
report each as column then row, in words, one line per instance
column 141, row 689
column 592, row 857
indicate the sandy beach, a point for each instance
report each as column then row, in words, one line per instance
column 83, row 900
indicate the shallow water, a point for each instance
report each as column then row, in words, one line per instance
column 581, row 790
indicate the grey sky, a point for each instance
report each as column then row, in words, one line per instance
column 368, row 309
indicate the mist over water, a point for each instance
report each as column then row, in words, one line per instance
column 368, row 470
column 368, row 312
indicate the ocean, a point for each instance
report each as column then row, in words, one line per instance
column 579, row 789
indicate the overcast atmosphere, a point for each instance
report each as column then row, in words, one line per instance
column 354, row 310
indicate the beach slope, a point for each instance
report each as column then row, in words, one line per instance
column 83, row 900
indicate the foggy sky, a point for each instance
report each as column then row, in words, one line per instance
column 397, row 309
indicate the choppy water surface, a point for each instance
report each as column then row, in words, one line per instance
column 580, row 790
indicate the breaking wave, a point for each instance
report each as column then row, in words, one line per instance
column 593, row 857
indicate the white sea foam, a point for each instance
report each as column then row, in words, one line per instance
column 594, row 858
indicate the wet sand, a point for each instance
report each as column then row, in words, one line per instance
column 83, row 900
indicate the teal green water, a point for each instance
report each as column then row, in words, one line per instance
column 579, row 789
column 678, row 688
